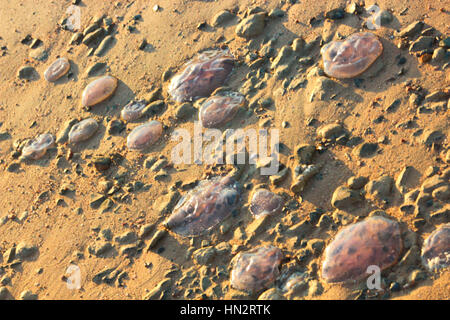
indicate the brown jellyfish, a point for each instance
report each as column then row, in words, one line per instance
column 98, row 91
column 219, row 109
column 36, row 148
column 256, row 269
column 351, row 57
column 204, row 207
column 265, row 202
column 201, row 75
column 374, row 241
column 436, row 249
column 57, row 69
column 144, row 135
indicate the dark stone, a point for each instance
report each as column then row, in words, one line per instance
column 366, row 150
column 115, row 127
column 344, row 197
column 335, row 14
column 102, row 163
column 27, row 73
column 393, row 106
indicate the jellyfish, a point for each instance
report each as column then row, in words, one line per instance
column 133, row 110
column 82, row 130
column 144, row 135
column 200, row 76
column 265, row 202
column 57, row 69
column 98, row 91
column 351, row 57
column 204, row 207
column 256, row 269
column 220, row 109
column 36, row 148
column 375, row 241
column 436, row 249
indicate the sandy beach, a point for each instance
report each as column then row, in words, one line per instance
column 88, row 219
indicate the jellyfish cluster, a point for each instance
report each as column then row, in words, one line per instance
column 374, row 241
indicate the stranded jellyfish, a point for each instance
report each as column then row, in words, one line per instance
column 201, row 75
column 98, row 91
column 374, row 241
column 256, row 269
column 57, row 69
column 82, row 130
column 144, row 135
column 133, row 110
column 436, row 249
column 36, row 148
column 265, row 202
column 296, row 281
column 204, row 207
column 218, row 110
column 351, row 57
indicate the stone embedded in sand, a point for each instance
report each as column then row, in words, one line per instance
column 39, row 54
column 201, row 75
column 105, row 45
column 204, row 207
column 98, row 91
column 374, row 241
column 265, row 202
column 133, row 110
column 36, row 148
column 144, row 135
column 436, row 249
column 251, row 26
column 57, row 69
column 82, row 130
column 27, row 73
column 256, row 269
column 351, row 57
column 221, row 18
column 219, row 109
